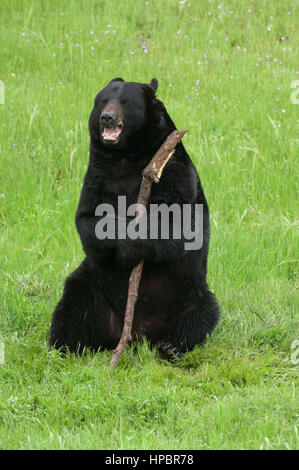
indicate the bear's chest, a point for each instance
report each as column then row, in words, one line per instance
column 120, row 181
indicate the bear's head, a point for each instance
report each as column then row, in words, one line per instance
column 127, row 113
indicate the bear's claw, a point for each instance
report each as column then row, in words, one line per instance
column 168, row 351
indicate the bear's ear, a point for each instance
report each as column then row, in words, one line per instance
column 118, row 79
column 151, row 88
column 154, row 84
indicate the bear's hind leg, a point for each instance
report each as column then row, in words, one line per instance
column 83, row 318
column 191, row 328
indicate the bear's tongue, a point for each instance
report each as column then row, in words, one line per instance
column 111, row 133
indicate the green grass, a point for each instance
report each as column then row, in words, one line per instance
column 239, row 390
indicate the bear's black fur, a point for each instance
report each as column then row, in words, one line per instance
column 175, row 309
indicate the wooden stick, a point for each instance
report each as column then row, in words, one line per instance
column 151, row 174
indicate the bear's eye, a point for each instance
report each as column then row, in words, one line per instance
column 125, row 102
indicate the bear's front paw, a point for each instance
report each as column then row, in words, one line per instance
column 126, row 254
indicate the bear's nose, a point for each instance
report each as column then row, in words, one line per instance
column 107, row 118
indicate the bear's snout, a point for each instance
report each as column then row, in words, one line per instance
column 111, row 124
column 108, row 118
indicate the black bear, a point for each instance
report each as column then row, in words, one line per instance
column 175, row 309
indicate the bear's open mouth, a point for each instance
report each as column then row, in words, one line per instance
column 111, row 134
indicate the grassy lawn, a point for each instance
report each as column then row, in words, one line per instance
column 225, row 71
